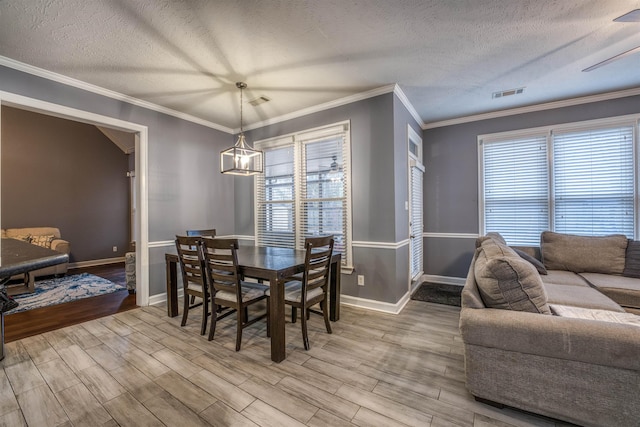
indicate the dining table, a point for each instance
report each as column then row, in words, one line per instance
column 272, row 264
column 20, row 257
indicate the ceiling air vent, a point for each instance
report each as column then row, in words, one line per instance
column 507, row 92
column 259, row 100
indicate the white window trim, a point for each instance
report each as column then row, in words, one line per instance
column 297, row 139
column 626, row 120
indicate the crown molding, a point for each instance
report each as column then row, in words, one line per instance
column 408, row 105
column 322, row 107
column 533, row 108
column 59, row 78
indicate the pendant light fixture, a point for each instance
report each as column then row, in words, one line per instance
column 241, row 159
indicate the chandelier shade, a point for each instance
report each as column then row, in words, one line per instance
column 241, row 159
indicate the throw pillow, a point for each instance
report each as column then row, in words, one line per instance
column 25, row 237
column 44, row 241
column 511, row 283
column 583, row 254
column 492, row 235
column 632, row 260
column 536, row 263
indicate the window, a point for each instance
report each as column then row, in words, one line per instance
column 304, row 190
column 578, row 180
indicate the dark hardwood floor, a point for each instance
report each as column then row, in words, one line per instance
column 34, row 322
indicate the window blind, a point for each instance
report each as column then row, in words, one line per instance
column 275, row 197
column 516, row 189
column 304, row 190
column 594, row 182
column 323, row 190
column 416, row 220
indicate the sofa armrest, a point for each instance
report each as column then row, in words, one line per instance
column 589, row 341
column 62, row 246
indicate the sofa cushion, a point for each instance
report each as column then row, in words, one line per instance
column 580, row 296
column 562, row 277
column 579, row 254
column 532, row 260
column 632, row 259
column 623, row 290
column 34, row 231
column 594, row 314
column 511, row 283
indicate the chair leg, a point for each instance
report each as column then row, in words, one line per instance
column 241, row 314
column 294, row 314
column 193, row 299
column 325, row 313
column 214, row 318
column 205, row 313
column 303, row 321
column 185, row 310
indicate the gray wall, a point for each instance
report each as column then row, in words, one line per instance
column 68, row 175
column 379, row 181
column 186, row 189
column 451, row 178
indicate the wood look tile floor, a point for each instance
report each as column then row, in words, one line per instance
column 140, row 368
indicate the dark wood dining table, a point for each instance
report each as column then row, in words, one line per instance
column 18, row 257
column 274, row 265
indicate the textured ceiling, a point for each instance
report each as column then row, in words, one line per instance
column 448, row 56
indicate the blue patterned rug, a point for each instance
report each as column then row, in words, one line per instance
column 65, row 289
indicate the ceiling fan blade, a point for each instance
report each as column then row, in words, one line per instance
column 613, row 58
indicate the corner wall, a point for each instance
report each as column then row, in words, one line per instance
column 379, row 181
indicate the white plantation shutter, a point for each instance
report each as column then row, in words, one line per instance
column 516, row 189
column 304, row 191
column 594, row 181
column 416, row 220
column 275, row 199
column 323, row 190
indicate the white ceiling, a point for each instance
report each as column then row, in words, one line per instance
column 447, row 56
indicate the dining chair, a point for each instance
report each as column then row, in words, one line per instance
column 193, row 278
column 220, row 259
column 304, row 291
column 203, row 233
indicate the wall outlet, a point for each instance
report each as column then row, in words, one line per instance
column 115, row 249
column 360, row 280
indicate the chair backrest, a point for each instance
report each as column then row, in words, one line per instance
column 204, row 233
column 190, row 261
column 317, row 263
column 220, row 260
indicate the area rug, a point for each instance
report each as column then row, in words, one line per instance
column 439, row 293
column 65, row 289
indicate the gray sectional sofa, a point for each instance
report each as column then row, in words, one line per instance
column 545, row 330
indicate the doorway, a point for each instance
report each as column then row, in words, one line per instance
column 416, row 177
column 141, row 144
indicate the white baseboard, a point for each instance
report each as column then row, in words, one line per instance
column 369, row 304
column 162, row 298
column 95, row 262
column 445, row 280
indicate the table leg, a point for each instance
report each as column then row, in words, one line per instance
column 276, row 319
column 172, row 286
column 334, row 291
column 1, row 335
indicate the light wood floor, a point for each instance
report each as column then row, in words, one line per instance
column 140, row 368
